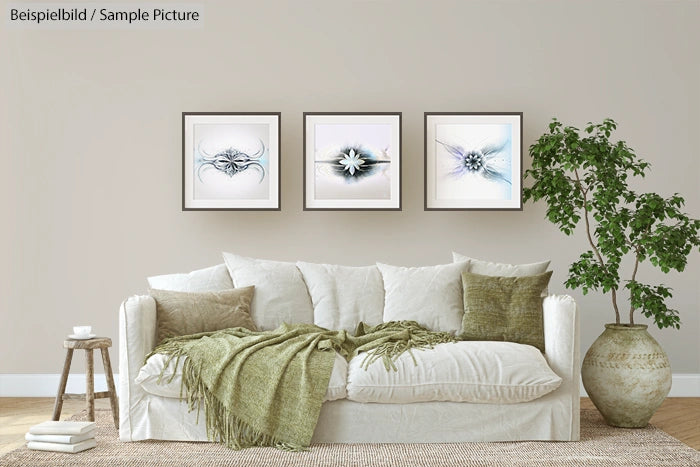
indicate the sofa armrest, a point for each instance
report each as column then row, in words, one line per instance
column 137, row 336
column 563, row 348
column 561, row 336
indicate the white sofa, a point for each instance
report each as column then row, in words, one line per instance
column 148, row 413
column 554, row 416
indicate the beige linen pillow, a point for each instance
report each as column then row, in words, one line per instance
column 182, row 313
column 504, row 308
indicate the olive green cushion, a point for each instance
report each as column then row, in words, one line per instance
column 504, row 308
column 183, row 313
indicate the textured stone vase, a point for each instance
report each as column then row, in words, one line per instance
column 627, row 375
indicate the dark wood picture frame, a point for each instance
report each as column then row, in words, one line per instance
column 273, row 203
column 516, row 174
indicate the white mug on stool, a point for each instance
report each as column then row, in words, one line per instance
column 82, row 331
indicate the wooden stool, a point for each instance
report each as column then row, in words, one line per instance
column 102, row 343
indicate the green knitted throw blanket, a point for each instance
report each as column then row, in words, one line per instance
column 266, row 388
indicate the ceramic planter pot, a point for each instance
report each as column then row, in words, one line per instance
column 627, row 375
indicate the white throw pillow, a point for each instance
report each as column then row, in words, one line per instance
column 171, row 380
column 212, row 279
column 343, row 296
column 280, row 292
column 487, row 268
column 474, row 371
column 430, row 295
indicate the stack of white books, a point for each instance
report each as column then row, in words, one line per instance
column 63, row 436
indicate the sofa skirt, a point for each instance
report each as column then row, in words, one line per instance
column 552, row 417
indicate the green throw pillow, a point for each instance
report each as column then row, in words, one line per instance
column 182, row 313
column 504, row 308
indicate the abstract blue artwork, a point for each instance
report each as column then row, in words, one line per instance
column 473, row 161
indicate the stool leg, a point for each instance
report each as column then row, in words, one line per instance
column 110, row 386
column 90, row 383
column 58, row 405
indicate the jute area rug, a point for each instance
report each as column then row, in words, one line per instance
column 600, row 445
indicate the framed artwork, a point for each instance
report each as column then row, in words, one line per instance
column 473, row 161
column 230, row 161
column 352, row 161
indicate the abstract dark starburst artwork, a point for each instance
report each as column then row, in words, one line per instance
column 354, row 162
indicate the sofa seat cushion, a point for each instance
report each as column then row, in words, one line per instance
column 149, row 375
column 475, row 371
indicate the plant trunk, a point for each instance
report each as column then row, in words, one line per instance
column 634, row 276
column 593, row 245
column 613, row 292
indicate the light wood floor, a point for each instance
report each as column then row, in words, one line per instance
column 679, row 417
column 17, row 414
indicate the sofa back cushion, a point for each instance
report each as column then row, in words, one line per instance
column 343, row 296
column 211, row 279
column 431, row 296
column 488, row 268
column 182, row 313
column 280, row 292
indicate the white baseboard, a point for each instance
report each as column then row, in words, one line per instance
column 46, row 385
column 682, row 385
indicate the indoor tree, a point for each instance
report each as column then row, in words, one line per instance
column 584, row 176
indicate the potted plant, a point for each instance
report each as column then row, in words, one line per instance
column 584, row 176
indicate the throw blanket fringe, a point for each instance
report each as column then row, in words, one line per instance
column 223, row 426
column 403, row 336
column 266, row 388
column 226, row 428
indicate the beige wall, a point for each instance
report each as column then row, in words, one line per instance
column 90, row 142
